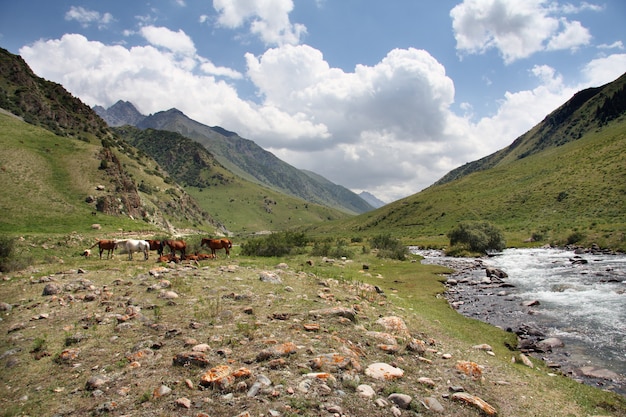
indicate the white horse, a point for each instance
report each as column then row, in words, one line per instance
column 131, row 245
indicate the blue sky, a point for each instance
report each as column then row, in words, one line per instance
column 382, row 96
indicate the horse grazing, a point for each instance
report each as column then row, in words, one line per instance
column 175, row 245
column 215, row 244
column 131, row 245
column 155, row 245
column 106, row 244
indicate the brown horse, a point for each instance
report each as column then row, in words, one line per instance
column 155, row 245
column 175, row 245
column 105, row 244
column 215, row 244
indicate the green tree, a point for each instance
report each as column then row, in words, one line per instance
column 479, row 237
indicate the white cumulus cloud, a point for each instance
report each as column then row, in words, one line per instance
column 88, row 17
column 517, row 29
column 267, row 19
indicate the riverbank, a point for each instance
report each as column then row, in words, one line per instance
column 478, row 291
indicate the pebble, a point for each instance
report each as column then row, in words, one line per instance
column 433, row 405
column 401, row 400
column 365, row 391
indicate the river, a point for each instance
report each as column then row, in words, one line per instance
column 579, row 298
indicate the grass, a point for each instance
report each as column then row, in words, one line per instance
column 214, row 298
column 577, row 188
column 247, row 208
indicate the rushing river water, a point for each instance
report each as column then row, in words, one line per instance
column 582, row 300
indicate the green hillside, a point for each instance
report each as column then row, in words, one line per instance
column 548, row 188
column 244, row 206
column 55, row 184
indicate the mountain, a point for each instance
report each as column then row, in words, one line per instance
column 588, row 110
column 246, row 159
column 119, row 114
column 243, row 205
column 371, row 199
column 562, row 182
column 44, row 103
column 62, row 166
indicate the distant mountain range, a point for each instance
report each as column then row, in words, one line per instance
column 371, row 199
column 242, row 157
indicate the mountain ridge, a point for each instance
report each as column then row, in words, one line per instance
column 248, row 160
column 610, row 101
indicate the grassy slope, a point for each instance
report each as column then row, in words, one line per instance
column 578, row 187
column 244, row 208
column 46, row 179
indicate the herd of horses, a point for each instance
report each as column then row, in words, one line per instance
column 131, row 246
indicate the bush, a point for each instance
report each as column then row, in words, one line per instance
column 389, row 247
column 325, row 248
column 480, row 237
column 276, row 244
column 9, row 260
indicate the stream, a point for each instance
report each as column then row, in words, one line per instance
column 579, row 298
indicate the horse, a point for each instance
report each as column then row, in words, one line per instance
column 155, row 245
column 175, row 245
column 131, row 245
column 105, row 244
column 215, row 244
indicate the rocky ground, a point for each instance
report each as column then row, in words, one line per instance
column 227, row 338
column 482, row 293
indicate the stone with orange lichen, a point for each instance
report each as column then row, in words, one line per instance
column 277, row 351
column 383, row 371
column 394, row 325
column 470, row 369
column 476, row 402
column 389, row 348
column 311, row 327
column 222, row 376
column 331, row 361
column 68, row 355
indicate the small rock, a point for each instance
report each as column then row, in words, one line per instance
column 433, row 405
column 593, row 372
column 383, row 371
column 183, row 402
column 270, row 277
column 161, row 391
column 549, row 344
column 401, row 400
column 365, row 391
column 168, row 295
column 427, row 382
column 51, row 289
column 475, row 401
column 95, row 382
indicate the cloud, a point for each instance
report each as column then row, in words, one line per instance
column 87, row 17
column 603, row 70
column 516, row 29
column 387, row 128
column 268, row 19
column 614, row 45
column 177, row 42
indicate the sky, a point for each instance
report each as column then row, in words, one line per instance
column 378, row 96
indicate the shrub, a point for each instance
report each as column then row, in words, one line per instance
column 389, row 247
column 276, row 244
column 480, row 237
column 575, row 237
column 9, row 259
